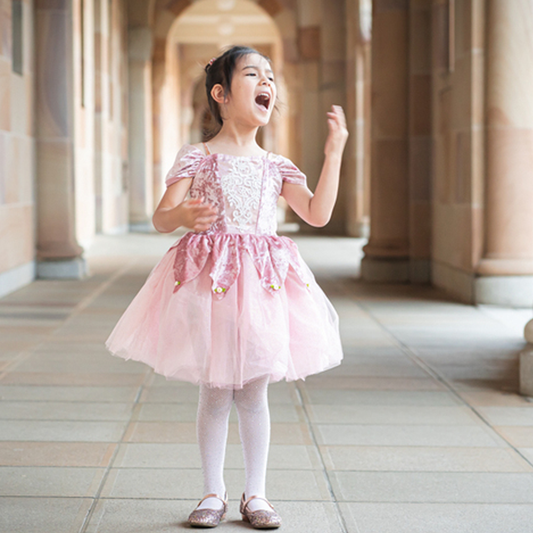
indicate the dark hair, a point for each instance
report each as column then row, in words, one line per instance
column 220, row 71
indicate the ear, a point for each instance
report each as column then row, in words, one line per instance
column 217, row 93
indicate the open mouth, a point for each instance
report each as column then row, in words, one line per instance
column 263, row 101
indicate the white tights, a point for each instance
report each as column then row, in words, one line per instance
column 214, row 408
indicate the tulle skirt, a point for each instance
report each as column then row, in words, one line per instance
column 193, row 336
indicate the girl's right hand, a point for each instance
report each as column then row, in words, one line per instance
column 197, row 215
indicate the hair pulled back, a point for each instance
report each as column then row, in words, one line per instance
column 220, row 71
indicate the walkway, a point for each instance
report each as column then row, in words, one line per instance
column 419, row 431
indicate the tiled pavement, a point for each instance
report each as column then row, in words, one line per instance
column 420, row 430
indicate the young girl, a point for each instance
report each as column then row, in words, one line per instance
column 232, row 306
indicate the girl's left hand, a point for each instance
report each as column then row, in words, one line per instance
column 338, row 133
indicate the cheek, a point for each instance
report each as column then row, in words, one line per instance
column 243, row 92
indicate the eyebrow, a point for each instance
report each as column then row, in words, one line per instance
column 257, row 68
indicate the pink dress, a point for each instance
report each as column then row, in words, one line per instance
column 237, row 302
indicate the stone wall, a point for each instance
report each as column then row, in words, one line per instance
column 17, row 145
column 458, row 134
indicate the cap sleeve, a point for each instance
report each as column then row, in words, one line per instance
column 290, row 172
column 185, row 165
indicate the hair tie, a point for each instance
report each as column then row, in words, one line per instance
column 212, row 60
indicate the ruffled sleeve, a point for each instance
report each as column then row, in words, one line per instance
column 185, row 165
column 289, row 171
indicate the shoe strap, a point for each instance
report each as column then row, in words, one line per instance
column 213, row 495
column 245, row 504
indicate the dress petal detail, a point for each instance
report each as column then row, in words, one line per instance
column 271, row 255
column 191, row 255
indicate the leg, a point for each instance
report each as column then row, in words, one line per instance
column 214, row 407
column 254, row 428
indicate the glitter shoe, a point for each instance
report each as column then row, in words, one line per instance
column 208, row 517
column 260, row 519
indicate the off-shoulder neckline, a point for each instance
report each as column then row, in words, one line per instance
column 231, row 155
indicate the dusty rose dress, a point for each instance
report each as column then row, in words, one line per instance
column 236, row 302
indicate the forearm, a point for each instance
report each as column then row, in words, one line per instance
column 168, row 219
column 322, row 202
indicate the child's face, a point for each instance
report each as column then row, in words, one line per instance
column 253, row 92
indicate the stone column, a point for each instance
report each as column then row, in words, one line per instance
column 420, row 141
column 526, row 362
column 140, row 145
column 505, row 272
column 506, row 269
column 358, row 72
column 387, row 252
column 58, row 253
column 101, row 102
column 332, row 90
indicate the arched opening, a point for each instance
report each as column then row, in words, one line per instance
column 199, row 33
column 181, row 111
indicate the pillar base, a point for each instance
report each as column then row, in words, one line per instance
column 16, row 278
column 526, row 371
column 505, row 291
column 360, row 230
column 142, row 227
column 385, row 270
column 420, row 271
column 395, row 270
column 528, row 332
column 76, row 268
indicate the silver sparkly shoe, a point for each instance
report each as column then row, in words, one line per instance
column 208, row 517
column 260, row 519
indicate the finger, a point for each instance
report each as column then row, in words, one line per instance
column 337, row 116
column 340, row 116
column 203, row 211
column 202, row 227
column 337, row 109
column 339, row 123
column 205, row 220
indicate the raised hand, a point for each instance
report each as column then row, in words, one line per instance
column 338, row 133
column 196, row 214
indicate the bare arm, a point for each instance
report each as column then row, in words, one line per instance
column 174, row 211
column 316, row 209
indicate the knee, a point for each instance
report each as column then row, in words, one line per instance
column 216, row 402
column 251, row 399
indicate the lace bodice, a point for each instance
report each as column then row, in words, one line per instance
column 244, row 190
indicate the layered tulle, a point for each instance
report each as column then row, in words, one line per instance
column 193, row 334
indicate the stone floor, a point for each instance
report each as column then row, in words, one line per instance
column 419, row 431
